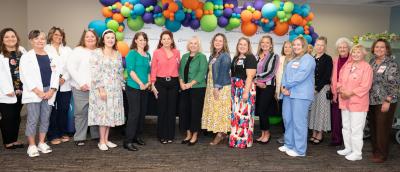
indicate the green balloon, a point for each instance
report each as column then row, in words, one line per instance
column 309, row 23
column 208, row 23
column 234, row 22
column 159, row 21
column 281, row 14
column 288, row 7
column 228, row 27
column 208, row 6
column 136, row 23
column 277, row 3
column 288, row 15
column 120, row 36
column 125, row 11
column 113, row 25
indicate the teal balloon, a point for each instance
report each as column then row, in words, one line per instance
column 113, row 25
column 139, row 9
column 120, row 36
column 208, row 23
column 269, row 10
column 308, row 38
column 125, row 11
column 135, row 24
column 288, row 7
column 173, row 26
column 281, row 14
column 180, row 15
column 159, row 21
column 98, row 26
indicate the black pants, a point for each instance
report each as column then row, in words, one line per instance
column 166, row 107
column 191, row 109
column 265, row 105
column 59, row 116
column 10, row 120
column 137, row 100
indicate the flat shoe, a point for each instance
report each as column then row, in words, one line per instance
column 317, row 141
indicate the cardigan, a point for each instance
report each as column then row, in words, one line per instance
column 323, row 71
column 197, row 69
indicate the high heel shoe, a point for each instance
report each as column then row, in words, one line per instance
column 217, row 139
column 185, row 141
column 192, row 143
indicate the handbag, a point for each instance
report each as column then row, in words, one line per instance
column 329, row 94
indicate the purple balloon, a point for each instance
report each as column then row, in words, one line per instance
column 165, row 6
column 228, row 12
column 195, row 24
column 157, row 9
column 311, row 29
column 186, row 21
column 234, row 2
column 148, row 17
column 237, row 10
column 258, row 4
column 147, row 3
column 108, row 2
column 222, row 21
column 314, row 36
column 246, row 4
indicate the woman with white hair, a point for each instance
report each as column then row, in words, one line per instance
column 343, row 46
column 192, row 74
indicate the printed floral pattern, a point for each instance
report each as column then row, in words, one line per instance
column 14, row 69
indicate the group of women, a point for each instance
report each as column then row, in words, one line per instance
column 221, row 95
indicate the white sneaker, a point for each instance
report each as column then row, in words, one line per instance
column 292, row 153
column 32, row 151
column 44, row 148
column 111, row 144
column 344, row 152
column 283, row 148
column 353, row 157
column 102, row 147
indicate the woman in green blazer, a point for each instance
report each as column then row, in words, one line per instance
column 192, row 80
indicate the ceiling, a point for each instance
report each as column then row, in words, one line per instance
column 388, row 3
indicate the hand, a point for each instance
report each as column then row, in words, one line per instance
column 155, row 91
column 182, row 85
column 245, row 96
column 12, row 94
column 216, row 93
column 49, row 94
column 85, row 87
column 345, row 94
column 261, row 85
column 39, row 93
column 148, row 85
column 285, row 92
column 385, row 106
column 18, row 92
column 334, row 99
column 188, row 85
column 142, row 86
column 103, row 94
column 62, row 81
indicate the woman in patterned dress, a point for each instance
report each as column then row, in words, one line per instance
column 217, row 106
column 105, row 101
column 243, row 70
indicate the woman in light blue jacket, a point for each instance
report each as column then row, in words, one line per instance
column 298, row 93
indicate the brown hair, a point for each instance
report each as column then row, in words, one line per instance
column 169, row 33
column 259, row 50
column 144, row 35
column 51, row 33
column 249, row 51
column 35, row 33
column 82, row 40
column 3, row 49
column 225, row 48
column 101, row 42
column 387, row 45
column 304, row 42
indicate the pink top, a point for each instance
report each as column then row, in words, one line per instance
column 162, row 66
column 359, row 80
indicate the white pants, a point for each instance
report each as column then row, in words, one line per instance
column 353, row 128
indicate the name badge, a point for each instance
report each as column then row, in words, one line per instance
column 239, row 62
column 295, row 65
column 381, row 69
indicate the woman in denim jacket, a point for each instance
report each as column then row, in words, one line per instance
column 217, row 106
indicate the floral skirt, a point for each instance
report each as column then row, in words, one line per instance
column 242, row 117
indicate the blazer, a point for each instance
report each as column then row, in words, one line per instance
column 31, row 78
column 6, row 82
column 65, row 51
column 197, row 69
column 220, row 70
column 298, row 77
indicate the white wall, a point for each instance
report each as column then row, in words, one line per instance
column 13, row 14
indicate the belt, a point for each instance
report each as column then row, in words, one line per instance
column 167, row 78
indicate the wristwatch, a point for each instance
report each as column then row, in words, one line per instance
column 54, row 89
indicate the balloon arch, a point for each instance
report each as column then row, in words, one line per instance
column 276, row 16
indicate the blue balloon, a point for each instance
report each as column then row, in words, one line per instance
column 124, row 1
column 271, row 24
column 179, row 15
column 107, row 19
column 308, row 38
column 180, row 5
column 99, row 26
column 172, row 26
column 265, row 28
column 108, row 2
column 305, row 12
column 269, row 10
column 218, row 13
column 292, row 37
column 139, row 9
column 299, row 30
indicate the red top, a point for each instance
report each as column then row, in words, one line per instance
column 162, row 66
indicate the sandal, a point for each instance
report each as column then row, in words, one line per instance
column 65, row 139
column 55, row 141
column 312, row 139
column 317, row 141
column 80, row 143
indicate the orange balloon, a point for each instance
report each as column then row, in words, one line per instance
column 296, row 19
column 307, row 32
column 118, row 17
column 249, row 28
column 119, row 5
column 165, row 1
column 281, row 28
column 173, row 7
column 120, row 29
column 199, row 13
column 166, row 14
column 190, row 4
column 246, row 16
column 256, row 15
column 201, row 5
column 106, row 12
column 123, row 48
column 310, row 16
column 304, row 22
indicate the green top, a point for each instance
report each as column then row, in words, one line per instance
column 197, row 69
column 140, row 65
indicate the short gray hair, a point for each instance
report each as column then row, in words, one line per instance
column 344, row 40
